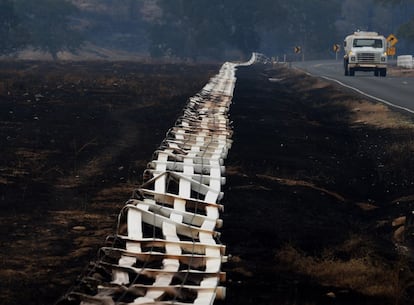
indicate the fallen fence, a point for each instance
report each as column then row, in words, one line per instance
column 167, row 249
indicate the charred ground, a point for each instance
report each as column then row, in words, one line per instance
column 75, row 141
column 316, row 176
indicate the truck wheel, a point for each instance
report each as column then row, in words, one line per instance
column 383, row 72
column 351, row 72
column 346, row 70
column 376, row 72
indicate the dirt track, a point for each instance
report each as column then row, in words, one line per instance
column 315, row 178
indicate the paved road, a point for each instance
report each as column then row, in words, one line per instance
column 397, row 91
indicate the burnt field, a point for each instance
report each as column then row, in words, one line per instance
column 75, row 141
column 318, row 180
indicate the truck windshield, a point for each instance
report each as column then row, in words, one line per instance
column 367, row 42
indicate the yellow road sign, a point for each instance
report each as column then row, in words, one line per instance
column 392, row 40
column 298, row 49
column 391, row 51
column 336, row 47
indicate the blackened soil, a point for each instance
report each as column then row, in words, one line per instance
column 75, row 139
column 307, row 186
column 303, row 175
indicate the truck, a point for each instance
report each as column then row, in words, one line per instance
column 365, row 51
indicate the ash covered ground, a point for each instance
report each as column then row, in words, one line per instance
column 319, row 181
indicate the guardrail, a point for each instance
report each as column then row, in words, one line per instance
column 405, row 61
column 167, row 249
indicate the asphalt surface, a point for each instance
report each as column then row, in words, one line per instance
column 394, row 90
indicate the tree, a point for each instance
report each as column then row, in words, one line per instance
column 392, row 2
column 48, row 24
column 11, row 34
column 210, row 27
column 189, row 29
column 405, row 9
column 407, row 31
column 309, row 24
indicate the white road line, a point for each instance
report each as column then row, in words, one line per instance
column 366, row 94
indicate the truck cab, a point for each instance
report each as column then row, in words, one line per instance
column 365, row 51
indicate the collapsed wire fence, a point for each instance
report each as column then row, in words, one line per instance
column 166, row 248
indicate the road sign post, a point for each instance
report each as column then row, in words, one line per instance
column 298, row 50
column 391, row 41
column 336, row 48
column 391, row 51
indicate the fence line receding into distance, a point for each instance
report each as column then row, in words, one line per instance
column 166, row 249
